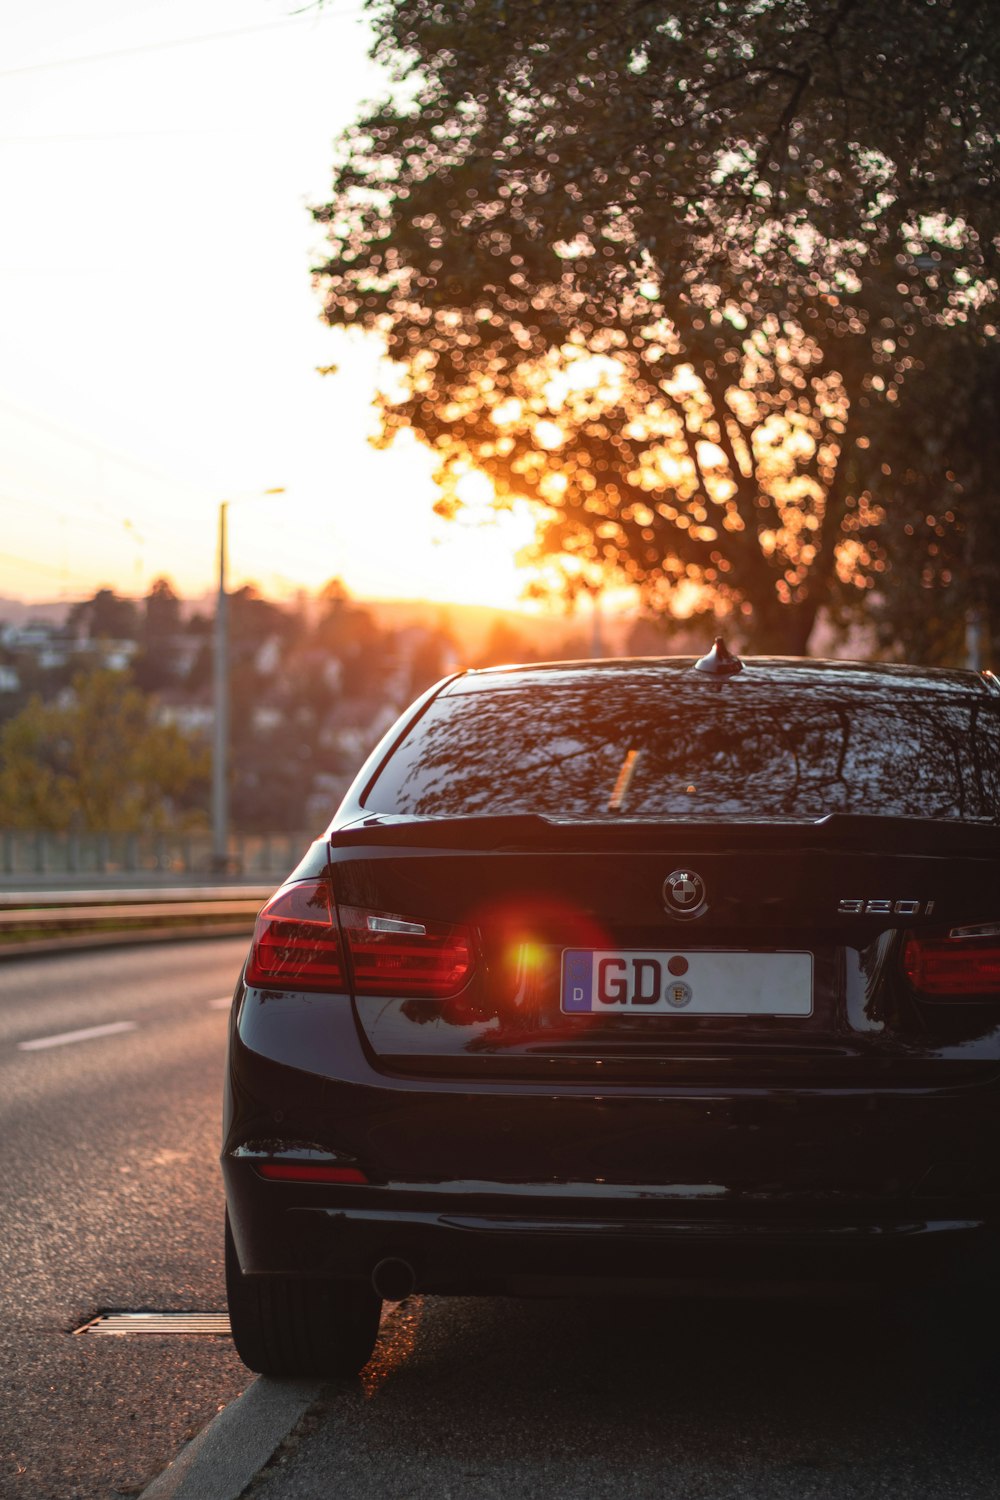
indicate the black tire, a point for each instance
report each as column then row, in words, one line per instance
column 299, row 1325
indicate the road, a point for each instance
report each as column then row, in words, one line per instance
column 110, row 1069
column 109, row 1105
column 640, row 1400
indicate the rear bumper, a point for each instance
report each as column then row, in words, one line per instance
column 459, row 1242
column 497, row 1186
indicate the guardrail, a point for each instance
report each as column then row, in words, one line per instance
column 42, row 855
column 67, row 916
column 35, row 922
column 127, row 895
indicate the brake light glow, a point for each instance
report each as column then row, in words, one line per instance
column 392, row 955
column 295, row 942
column 966, row 962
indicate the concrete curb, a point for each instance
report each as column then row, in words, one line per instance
column 227, row 1454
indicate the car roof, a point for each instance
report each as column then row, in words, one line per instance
column 793, row 675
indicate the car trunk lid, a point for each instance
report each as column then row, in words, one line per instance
column 791, row 961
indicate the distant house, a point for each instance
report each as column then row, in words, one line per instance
column 30, row 637
column 267, row 718
column 351, row 729
column 192, row 713
column 53, row 648
column 267, row 657
column 116, row 656
column 177, row 653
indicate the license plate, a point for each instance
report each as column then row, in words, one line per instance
column 631, row 981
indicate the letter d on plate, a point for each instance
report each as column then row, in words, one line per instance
column 577, row 981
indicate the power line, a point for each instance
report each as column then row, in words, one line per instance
column 147, row 522
column 25, row 562
column 65, row 514
column 131, row 135
column 62, row 512
column 102, row 454
column 115, row 456
column 180, row 41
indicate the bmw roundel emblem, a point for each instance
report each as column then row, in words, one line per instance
column 684, row 894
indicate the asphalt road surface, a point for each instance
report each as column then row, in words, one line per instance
column 110, row 1088
column 603, row 1400
column 109, row 1122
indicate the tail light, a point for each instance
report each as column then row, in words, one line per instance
column 296, row 946
column 965, row 962
column 308, row 1171
column 394, row 956
column 295, row 943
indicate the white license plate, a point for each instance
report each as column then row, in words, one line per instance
column 666, row 982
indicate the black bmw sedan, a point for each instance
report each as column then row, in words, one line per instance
column 633, row 974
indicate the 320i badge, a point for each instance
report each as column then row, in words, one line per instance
column 640, row 973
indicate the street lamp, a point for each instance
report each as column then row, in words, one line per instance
column 220, row 737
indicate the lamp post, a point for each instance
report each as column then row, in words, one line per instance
column 220, row 735
column 596, row 632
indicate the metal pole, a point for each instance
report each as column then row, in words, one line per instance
column 220, row 738
column 596, row 634
column 973, row 613
column 974, row 638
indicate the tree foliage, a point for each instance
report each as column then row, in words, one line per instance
column 106, row 616
column 349, row 633
column 660, row 269
column 162, row 611
column 95, row 762
column 936, row 476
column 153, row 666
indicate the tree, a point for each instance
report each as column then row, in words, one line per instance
column 348, row 632
column 163, row 610
column 935, row 479
column 504, row 644
column 106, row 616
column 253, row 619
column 155, row 666
column 661, row 271
column 96, row 763
column 436, row 651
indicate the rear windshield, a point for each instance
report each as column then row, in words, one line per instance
column 638, row 751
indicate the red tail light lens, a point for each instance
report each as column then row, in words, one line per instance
column 966, row 962
column 393, row 955
column 307, row 1171
column 296, row 946
column 295, row 943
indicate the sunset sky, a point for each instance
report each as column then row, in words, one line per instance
column 160, row 332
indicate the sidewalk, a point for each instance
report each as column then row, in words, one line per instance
column 232, row 1450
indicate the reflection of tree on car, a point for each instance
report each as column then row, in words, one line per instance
column 801, row 754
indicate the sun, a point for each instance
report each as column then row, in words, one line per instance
column 380, row 535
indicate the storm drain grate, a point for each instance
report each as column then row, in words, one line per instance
column 118, row 1323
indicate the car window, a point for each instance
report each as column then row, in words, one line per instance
column 648, row 750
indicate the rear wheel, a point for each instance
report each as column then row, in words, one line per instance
column 297, row 1325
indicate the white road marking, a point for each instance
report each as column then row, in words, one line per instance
column 112, row 1028
column 222, row 1004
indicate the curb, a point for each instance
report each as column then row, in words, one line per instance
column 228, row 1453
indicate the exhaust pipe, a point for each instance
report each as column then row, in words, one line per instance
column 393, row 1279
